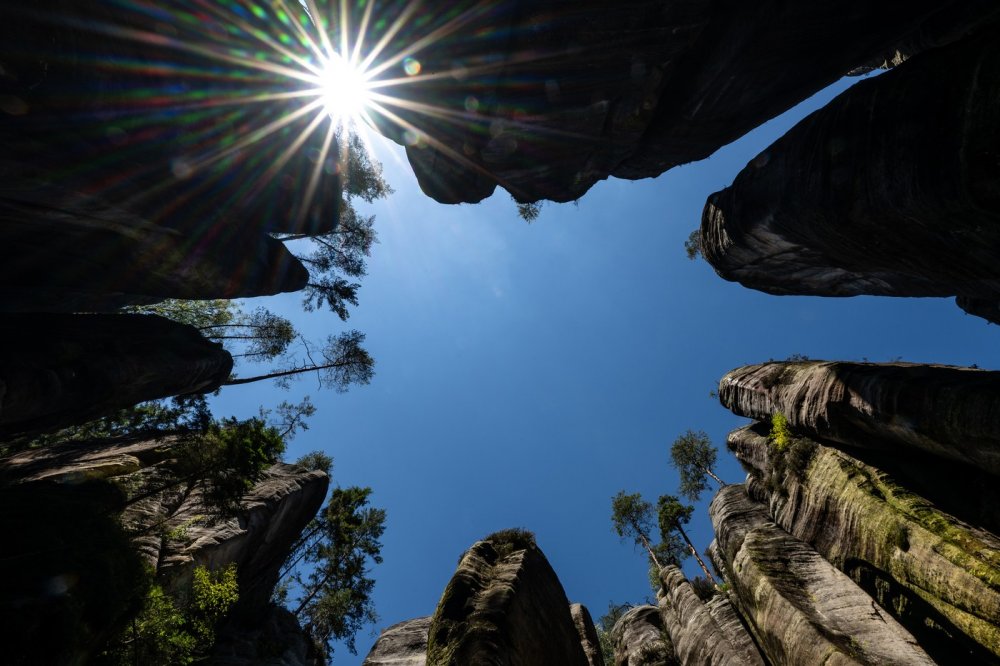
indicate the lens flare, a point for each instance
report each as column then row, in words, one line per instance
column 344, row 90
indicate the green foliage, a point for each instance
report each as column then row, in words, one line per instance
column 200, row 314
column 604, row 627
column 529, row 212
column 704, row 588
column 317, row 460
column 781, row 435
column 342, row 362
column 213, row 593
column 694, row 457
column 632, row 518
column 789, row 455
column 511, row 539
column 671, row 515
column 329, row 569
column 692, row 246
column 180, row 630
column 229, row 458
column 181, row 414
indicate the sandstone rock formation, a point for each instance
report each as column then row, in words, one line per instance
column 891, row 189
column 640, row 639
column 802, row 610
column 547, row 100
column 587, row 632
column 60, row 369
column 171, row 528
column 402, row 644
column 937, row 575
column 696, row 635
column 504, row 605
column 946, row 411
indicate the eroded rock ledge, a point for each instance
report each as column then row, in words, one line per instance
column 946, row 411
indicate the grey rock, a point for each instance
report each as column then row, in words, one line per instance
column 504, row 605
column 640, row 639
column 802, row 609
column 934, row 573
column 946, row 411
column 402, row 644
column 697, row 637
column 588, row 634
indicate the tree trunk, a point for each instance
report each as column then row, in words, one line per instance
column 694, row 552
column 721, row 483
column 282, row 373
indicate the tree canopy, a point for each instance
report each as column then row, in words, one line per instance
column 694, row 457
column 329, row 569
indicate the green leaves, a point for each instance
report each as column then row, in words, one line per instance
column 694, row 457
column 334, row 600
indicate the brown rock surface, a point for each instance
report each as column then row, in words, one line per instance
column 946, row 411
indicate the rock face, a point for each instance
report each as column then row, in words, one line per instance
column 891, row 189
column 802, row 610
column 696, row 636
column 587, row 632
column 58, row 369
column 547, row 100
column 948, row 412
column 937, row 575
column 73, row 491
column 640, row 639
column 403, row 644
column 504, row 605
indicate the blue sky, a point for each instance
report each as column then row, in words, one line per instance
column 526, row 373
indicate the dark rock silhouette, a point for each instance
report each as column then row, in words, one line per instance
column 548, row 100
column 60, row 369
column 891, row 189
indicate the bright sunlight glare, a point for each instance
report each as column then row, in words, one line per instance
column 344, row 90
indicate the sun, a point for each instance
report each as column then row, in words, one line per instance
column 344, row 90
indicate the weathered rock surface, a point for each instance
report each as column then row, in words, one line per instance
column 547, row 100
column 945, row 411
column 696, row 637
column 59, row 369
column 585, row 628
column 276, row 640
column 891, row 189
column 504, row 605
column 640, row 639
column 273, row 515
column 402, row 644
column 802, row 609
column 938, row 576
